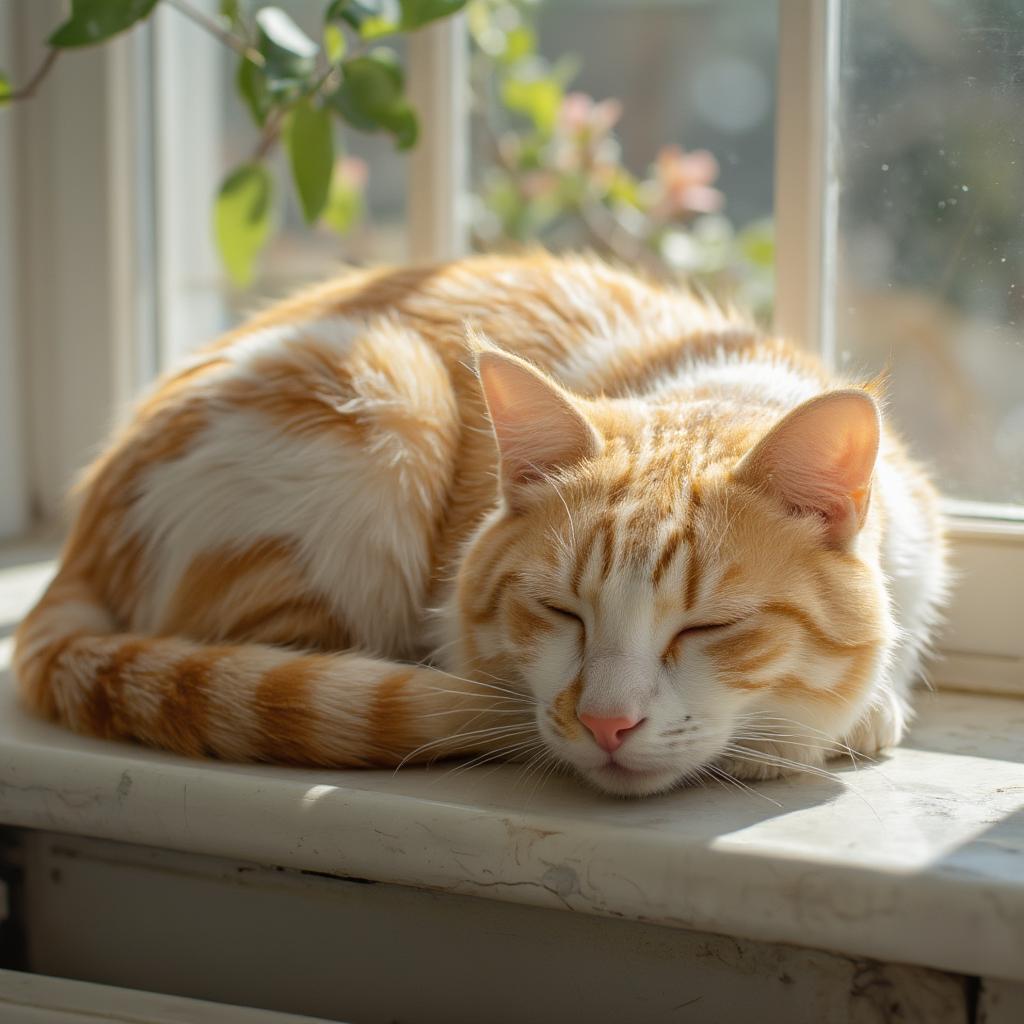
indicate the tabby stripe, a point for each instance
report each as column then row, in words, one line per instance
column 390, row 731
column 583, row 552
column 524, row 624
column 668, row 552
column 182, row 719
column 283, row 704
column 694, row 567
column 620, row 486
column 563, row 708
column 106, row 707
column 489, row 608
column 818, row 635
column 737, row 645
column 693, row 571
column 253, row 624
column 607, row 527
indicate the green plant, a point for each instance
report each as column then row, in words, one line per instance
column 556, row 173
column 295, row 88
column 554, row 165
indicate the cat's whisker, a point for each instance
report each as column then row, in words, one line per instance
column 772, row 760
column 492, row 755
column 494, row 732
column 497, row 700
column 482, row 711
column 489, row 686
column 830, row 741
column 828, row 749
column 725, row 777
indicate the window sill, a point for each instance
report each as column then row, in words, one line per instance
column 918, row 859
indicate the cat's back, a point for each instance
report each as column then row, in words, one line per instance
column 336, row 446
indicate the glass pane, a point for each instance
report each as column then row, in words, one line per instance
column 204, row 132
column 299, row 254
column 931, row 260
column 642, row 129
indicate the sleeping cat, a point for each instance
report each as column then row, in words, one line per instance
column 530, row 508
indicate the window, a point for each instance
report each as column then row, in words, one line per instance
column 197, row 142
column 880, row 140
column 931, row 239
column 661, row 157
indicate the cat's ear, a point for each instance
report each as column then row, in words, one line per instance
column 819, row 460
column 538, row 427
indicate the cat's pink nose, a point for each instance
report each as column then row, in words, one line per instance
column 610, row 733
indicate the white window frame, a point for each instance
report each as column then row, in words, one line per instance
column 14, row 504
column 982, row 643
column 75, row 368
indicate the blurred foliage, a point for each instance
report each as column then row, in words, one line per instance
column 557, row 175
column 296, row 89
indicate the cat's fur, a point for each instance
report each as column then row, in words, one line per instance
column 303, row 548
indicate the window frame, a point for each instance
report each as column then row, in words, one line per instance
column 79, row 284
column 116, row 248
column 14, row 506
column 981, row 645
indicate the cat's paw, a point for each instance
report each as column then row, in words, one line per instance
column 881, row 726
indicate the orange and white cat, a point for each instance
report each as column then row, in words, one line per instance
column 533, row 508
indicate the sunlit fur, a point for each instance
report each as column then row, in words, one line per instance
column 303, row 548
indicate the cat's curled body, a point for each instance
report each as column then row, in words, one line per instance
column 357, row 529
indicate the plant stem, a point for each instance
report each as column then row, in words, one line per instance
column 275, row 121
column 27, row 91
column 271, row 133
column 229, row 39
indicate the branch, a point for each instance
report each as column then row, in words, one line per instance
column 229, row 39
column 27, row 91
column 275, row 120
column 270, row 134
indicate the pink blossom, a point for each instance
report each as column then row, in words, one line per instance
column 684, row 182
column 537, row 184
column 580, row 115
column 353, row 171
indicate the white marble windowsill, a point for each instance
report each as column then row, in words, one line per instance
column 917, row 859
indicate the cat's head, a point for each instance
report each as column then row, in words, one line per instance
column 670, row 581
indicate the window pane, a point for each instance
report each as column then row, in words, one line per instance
column 205, row 131
column 931, row 260
column 639, row 128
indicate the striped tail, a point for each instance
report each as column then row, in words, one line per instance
column 248, row 702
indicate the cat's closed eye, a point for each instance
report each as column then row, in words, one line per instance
column 689, row 632
column 564, row 613
column 705, row 627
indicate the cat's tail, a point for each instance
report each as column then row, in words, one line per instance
column 250, row 702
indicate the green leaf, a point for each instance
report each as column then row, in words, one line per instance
column 370, row 18
column 371, row 97
column 289, row 53
column 404, row 126
column 241, row 219
column 520, row 42
column 757, row 243
column 334, row 43
column 92, row 21
column 5, row 88
column 539, row 99
column 230, row 11
column 252, row 87
column 311, row 152
column 417, row 13
column 344, row 202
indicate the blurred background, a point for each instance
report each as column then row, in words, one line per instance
column 644, row 129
